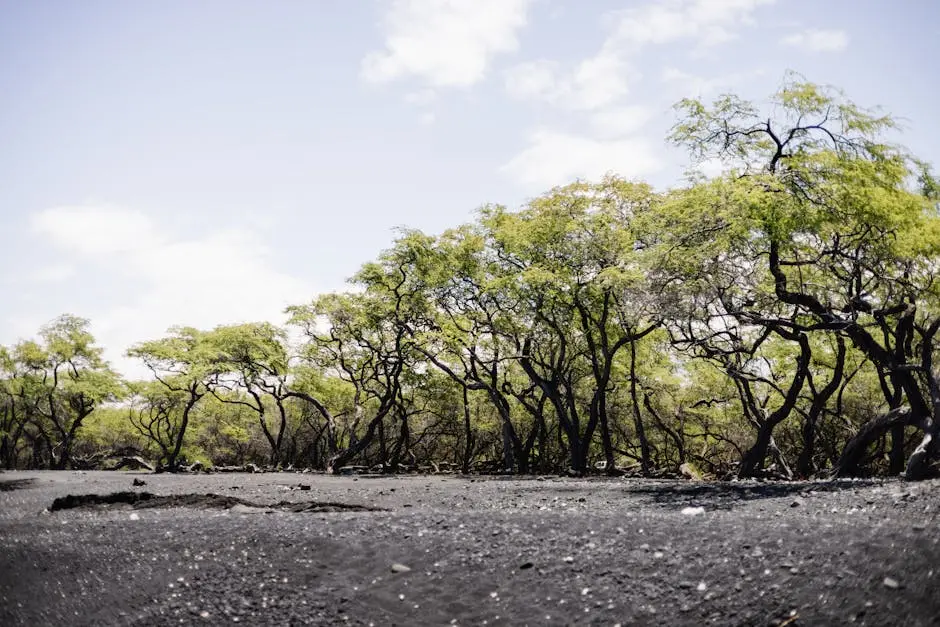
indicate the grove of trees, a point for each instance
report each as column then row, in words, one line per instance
column 780, row 318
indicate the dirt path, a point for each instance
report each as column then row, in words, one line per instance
column 467, row 552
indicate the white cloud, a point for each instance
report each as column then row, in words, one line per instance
column 421, row 98
column 446, row 43
column 699, row 86
column 594, row 82
column 604, row 78
column 707, row 22
column 221, row 277
column 620, row 121
column 95, row 231
column 55, row 273
column 600, row 80
column 818, row 40
column 532, row 80
column 554, row 158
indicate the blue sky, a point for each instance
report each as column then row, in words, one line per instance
column 203, row 162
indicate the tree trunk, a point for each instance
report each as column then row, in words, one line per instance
column 543, row 446
column 896, row 456
column 918, row 467
column 610, row 464
column 468, row 434
column 637, row 416
column 805, row 466
column 172, row 462
column 753, row 459
column 779, row 459
column 508, row 452
column 402, row 445
column 383, row 447
column 854, row 450
column 343, row 457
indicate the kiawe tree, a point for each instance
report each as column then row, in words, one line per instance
column 183, row 363
column 785, row 312
column 249, row 366
column 355, row 337
column 66, row 378
column 841, row 240
column 575, row 263
column 12, row 418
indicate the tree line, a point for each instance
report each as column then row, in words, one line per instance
column 781, row 318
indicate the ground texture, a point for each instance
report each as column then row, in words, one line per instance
column 305, row 549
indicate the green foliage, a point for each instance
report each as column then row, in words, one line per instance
column 767, row 317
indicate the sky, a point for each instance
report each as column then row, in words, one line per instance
column 205, row 162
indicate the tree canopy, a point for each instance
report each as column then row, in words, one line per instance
column 780, row 318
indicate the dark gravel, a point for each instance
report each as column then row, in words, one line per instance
column 467, row 552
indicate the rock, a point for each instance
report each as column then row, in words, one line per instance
column 304, row 486
column 134, row 463
column 689, row 472
column 526, row 566
column 796, row 503
column 356, row 470
column 251, row 468
column 692, row 511
column 400, row 568
column 239, row 508
column 139, row 482
column 891, row 583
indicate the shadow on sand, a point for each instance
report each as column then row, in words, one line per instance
column 16, row 484
column 725, row 495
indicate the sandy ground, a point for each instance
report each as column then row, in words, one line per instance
column 494, row 551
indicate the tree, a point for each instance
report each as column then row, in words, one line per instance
column 250, row 363
column 154, row 411
column 355, row 335
column 12, row 416
column 575, row 264
column 183, row 363
column 840, row 237
column 62, row 380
